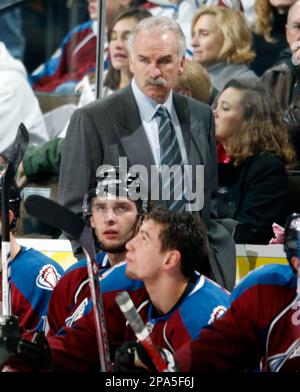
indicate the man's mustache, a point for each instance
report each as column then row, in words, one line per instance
column 156, row 82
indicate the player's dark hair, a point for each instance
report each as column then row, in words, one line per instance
column 185, row 232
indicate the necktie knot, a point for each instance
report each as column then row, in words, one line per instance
column 162, row 112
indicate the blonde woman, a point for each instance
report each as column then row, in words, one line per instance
column 222, row 44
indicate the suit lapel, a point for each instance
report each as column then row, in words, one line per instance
column 189, row 128
column 131, row 133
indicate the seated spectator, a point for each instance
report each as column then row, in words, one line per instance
column 283, row 79
column 194, row 82
column 76, row 55
column 222, row 44
column 183, row 10
column 41, row 163
column 17, row 104
column 118, row 74
column 253, row 186
column 269, row 32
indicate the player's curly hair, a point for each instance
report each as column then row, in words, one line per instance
column 185, row 232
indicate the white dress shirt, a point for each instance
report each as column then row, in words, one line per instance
column 147, row 108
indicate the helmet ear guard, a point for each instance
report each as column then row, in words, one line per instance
column 292, row 237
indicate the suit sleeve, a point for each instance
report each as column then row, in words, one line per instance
column 213, row 168
column 81, row 155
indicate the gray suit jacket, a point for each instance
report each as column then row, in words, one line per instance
column 110, row 128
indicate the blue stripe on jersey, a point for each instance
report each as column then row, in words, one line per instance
column 205, row 301
column 272, row 274
column 83, row 26
column 50, row 66
column 82, row 263
column 116, row 279
column 25, row 270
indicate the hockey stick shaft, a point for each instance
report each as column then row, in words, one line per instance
column 141, row 332
column 15, row 157
column 60, row 217
column 87, row 242
column 5, row 249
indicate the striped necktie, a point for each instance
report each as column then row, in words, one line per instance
column 170, row 156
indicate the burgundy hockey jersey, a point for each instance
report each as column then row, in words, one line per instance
column 33, row 277
column 75, row 346
column 246, row 334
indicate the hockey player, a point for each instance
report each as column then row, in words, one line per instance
column 33, row 275
column 115, row 218
column 175, row 301
column 262, row 325
column 170, row 296
column 260, row 330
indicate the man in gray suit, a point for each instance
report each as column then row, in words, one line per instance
column 125, row 124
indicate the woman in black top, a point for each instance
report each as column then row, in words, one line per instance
column 253, row 185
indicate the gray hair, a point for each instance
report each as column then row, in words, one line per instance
column 159, row 24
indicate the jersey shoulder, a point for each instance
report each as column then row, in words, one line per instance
column 267, row 275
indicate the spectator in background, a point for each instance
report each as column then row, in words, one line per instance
column 283, row 79
column 268, row 32
column 222, row 44
column 183, row 10
column 194, row 82
column 17, row 104
column 40, row 163
column 76, row 55
column 253, row 186
column 118, row 74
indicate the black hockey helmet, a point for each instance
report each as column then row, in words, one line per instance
column 117, row 182
column 292, row 237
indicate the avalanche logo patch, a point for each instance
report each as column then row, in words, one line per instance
column 217, row 312
column 47, row 277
